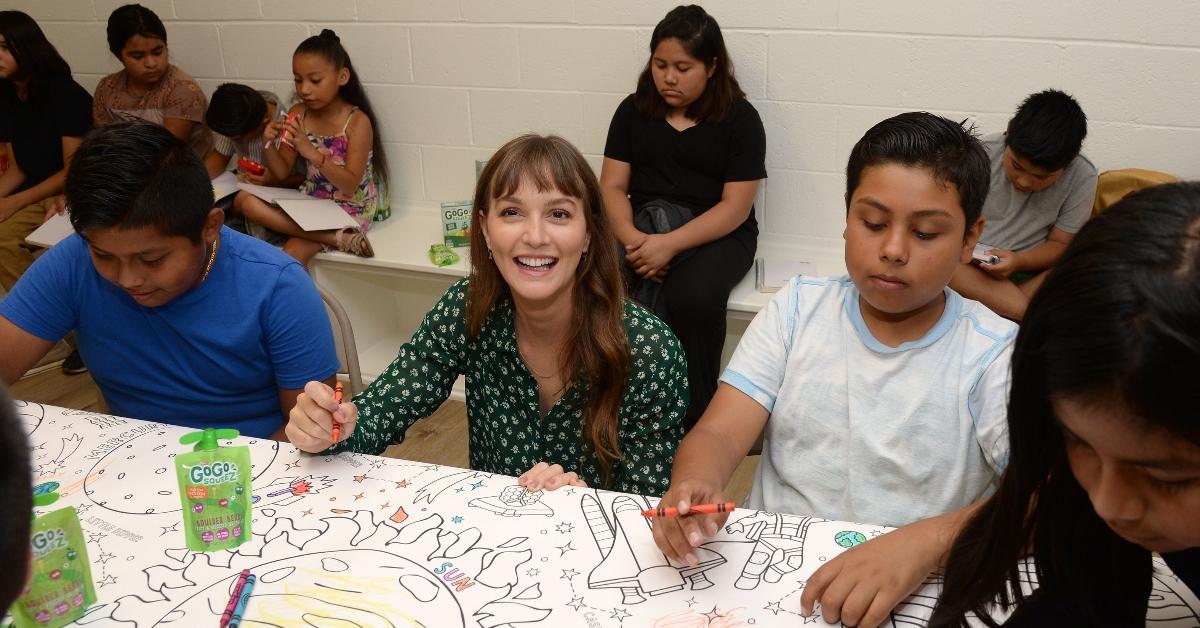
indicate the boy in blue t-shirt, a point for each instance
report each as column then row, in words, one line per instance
column 881, row 396
column 180, row 319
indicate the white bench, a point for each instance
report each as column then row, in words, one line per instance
column 387, row 295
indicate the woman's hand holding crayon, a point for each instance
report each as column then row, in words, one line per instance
column 678, row 536
column 311, row 422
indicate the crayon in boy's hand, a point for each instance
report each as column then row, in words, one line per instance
column 696, row 509
column 337, row 427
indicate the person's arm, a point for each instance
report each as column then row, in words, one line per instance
column 100, row 114
column 215, row 162
column 657, row 249
column 287, row 401
column 51, row 186
column 281, row 158
column 413, row 386
column 654, row 424
column 359, row 140
column 179, row 127
column 614, row 187
column 704, row 463
column 860, row 586
column 14, row 176
column 1040, row 257
column 21, row 351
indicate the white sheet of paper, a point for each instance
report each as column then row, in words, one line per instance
column 225, row 184
column 777, row 272
column 270, row 194
column 436, row 544
column 316, row 214
column 52, row 231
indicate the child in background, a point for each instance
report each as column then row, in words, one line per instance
column 881, row 394
column 688, row 141
column 149, row 88
column 16, row 501
column 44, row 114
column 335, row 130
column 1041, row 194
column 181, row 320
column 238, row 115
column 1105, row 454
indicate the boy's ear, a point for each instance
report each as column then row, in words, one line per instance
column 971, row 239
column 212, row 225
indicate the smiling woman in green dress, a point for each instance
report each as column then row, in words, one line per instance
column 568, row 382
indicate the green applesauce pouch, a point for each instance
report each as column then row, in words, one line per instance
column 214, row 488
column 60, row 588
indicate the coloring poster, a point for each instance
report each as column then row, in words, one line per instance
column 358, row 540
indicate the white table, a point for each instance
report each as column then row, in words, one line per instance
column 386, row 542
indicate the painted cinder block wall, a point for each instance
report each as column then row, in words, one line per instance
column 453, row 79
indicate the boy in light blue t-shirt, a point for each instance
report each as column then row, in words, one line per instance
column 881, row 395
column 179, row 319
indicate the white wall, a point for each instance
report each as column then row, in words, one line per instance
column 453, row 79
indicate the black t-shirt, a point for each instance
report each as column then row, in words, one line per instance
column 58, row 108
column 688, row 167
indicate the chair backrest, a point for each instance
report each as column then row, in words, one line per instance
column 343, row 340
column 1114, row 185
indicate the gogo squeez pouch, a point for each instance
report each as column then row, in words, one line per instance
column 214, row 487
column 60, row 589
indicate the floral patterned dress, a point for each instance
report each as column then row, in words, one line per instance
column 365, row 203
column 507, row 431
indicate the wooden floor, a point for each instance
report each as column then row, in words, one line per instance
column 440, row 438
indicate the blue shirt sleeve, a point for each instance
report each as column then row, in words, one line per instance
column 45, row 301
column 298, row 332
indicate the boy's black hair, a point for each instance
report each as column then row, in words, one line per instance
column 1048, row 130
column 16, row 500
column 949, row 150
column 329, row 45
column 37, row 59
column 129, row 20
column 235, row 109
column 136, row 174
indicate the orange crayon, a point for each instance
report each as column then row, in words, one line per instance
column 337, row 427
column 696, row 509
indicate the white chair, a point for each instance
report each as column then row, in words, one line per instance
column 343, row 340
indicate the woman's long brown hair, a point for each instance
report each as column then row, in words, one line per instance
column 597, row 351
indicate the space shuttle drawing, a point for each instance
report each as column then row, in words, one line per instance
column 630, row 560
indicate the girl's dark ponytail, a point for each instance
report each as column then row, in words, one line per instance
column 329, row 45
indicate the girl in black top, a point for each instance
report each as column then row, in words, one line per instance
column 688, row 136
column 44, row 114
column 1104, row 424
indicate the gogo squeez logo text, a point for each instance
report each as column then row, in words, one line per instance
column 47, row 541
column 214, row 473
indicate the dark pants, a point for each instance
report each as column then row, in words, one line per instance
column 695, row 293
